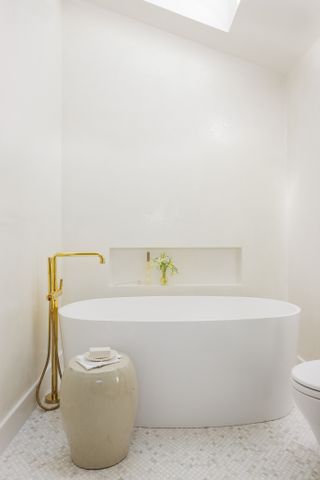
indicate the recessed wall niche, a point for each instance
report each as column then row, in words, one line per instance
column 197, row 266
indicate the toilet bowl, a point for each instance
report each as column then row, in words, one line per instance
column 305, row 381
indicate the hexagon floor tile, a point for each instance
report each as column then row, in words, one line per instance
column 283, row 449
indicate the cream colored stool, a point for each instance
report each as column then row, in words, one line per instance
column 98, row 411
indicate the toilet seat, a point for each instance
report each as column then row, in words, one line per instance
column 310, row 392
column 306, row 378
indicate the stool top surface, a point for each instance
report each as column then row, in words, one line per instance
column 123, row 362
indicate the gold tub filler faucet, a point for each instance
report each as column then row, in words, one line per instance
column 52, row 401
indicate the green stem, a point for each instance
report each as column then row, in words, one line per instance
column 163, row 279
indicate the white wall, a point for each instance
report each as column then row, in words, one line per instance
column 30, row 206
column 167, row 142
column 304, row 196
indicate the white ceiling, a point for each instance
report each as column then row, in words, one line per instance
column 272, row 33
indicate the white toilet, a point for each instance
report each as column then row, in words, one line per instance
column 305, row 380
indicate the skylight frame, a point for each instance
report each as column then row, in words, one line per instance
column 217, row 14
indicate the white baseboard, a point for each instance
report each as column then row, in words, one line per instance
column 14, row 420
column 20, row 412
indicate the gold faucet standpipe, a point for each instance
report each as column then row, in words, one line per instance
column 52, row 401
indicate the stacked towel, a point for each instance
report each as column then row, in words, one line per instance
column 99, row 354
column 85, row 361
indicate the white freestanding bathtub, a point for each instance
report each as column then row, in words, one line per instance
column 200, row 361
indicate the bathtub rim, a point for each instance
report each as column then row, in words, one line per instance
column 64, row 310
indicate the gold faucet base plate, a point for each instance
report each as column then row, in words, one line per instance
column 52, row 399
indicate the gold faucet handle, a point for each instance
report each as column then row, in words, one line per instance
column 54, row 295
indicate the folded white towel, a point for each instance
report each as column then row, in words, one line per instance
column 88, row 365
column 100, row 349
column 99, row 353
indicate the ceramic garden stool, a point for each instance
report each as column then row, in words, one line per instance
column 98, row 409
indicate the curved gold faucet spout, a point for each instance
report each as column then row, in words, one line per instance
column 52, row 400
column 80, row 254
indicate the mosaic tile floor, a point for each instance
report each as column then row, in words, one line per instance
column 283, row 449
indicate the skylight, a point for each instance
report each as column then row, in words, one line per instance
column 215, row 13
